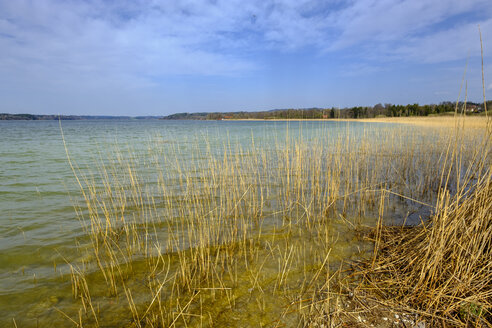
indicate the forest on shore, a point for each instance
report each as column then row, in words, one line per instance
column 378, row 110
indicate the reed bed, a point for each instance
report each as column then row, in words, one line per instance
column 261, row 232
column 436, row 274
column 441, row 269
column 469, row 122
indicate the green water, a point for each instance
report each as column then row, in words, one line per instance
column 39, row 228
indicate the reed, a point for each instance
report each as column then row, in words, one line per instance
column 471, row 122
column 257, row 232
column 442, row 268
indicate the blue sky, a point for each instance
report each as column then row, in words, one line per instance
column 160, row 57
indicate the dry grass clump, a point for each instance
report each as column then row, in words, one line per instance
column 442, row 269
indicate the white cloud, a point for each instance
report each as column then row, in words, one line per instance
column 136, row 42
column 82, row 38
column 455, row 43
column 390, row 20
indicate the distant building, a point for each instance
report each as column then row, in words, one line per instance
column 472, row 108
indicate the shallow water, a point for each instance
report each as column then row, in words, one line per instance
column 39, row 227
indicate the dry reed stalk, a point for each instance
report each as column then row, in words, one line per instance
column 246, row 222
column 442, row 269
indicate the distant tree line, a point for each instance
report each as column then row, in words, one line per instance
column 378, row 110
column 187, row 116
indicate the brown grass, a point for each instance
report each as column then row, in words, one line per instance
column 470, row 122
column 254, row 234
column 444, row 121
column 441, row 269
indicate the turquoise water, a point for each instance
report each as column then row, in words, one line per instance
column 42, row 204
column 39, row 227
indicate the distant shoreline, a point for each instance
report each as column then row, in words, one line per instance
column 52, row 117
column 435, row 121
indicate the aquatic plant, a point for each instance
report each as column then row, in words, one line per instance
column 250, row 233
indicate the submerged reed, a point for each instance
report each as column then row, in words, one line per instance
column 258, row 233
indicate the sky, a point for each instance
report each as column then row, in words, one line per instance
column 120, row 57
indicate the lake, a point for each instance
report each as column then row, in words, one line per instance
column 157, row 174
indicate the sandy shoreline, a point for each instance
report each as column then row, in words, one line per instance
column 477, row 122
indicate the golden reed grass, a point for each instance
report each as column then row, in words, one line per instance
column 434, row 121
column 470, row 122
column 252, row 233
column 442, row 269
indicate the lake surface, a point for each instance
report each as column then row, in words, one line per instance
column 39, row 227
